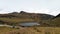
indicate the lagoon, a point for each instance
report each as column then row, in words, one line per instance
column 29, row 24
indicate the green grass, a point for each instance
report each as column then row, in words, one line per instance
column 15, row 20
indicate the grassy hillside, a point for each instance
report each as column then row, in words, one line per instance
column 48, row 23
column 15, row 20
column 23, row 17
column 5, row 30
column 55, row 22
column 30, row 30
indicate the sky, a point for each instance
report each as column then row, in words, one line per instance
column 32, row 6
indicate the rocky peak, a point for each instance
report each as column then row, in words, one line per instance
column 22, row 12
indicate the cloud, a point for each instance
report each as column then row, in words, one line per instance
column 46, row 11
column 1, row 9
column 4, row 11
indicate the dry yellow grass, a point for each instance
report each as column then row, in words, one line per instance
column 30, row 30
column 49, row 30
column 5, row 30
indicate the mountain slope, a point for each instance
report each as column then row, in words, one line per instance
column 55, row 22
column 23, row 17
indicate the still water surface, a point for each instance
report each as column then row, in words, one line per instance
column 29, row 24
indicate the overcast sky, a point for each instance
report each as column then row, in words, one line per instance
column 33, row 6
